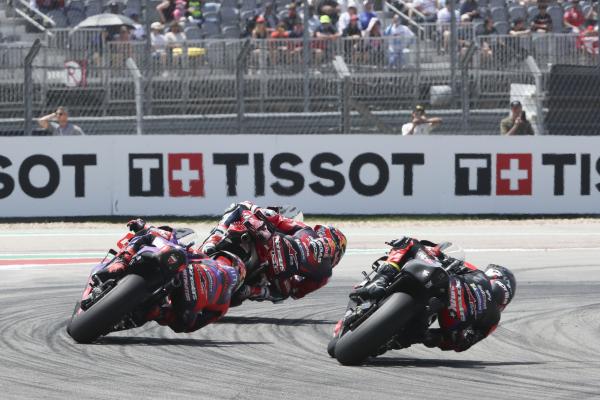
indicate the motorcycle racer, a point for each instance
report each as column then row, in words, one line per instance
column 205, row 283
column 476, row 298
column 299, row 258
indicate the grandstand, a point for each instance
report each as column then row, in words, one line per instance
column 219, row 80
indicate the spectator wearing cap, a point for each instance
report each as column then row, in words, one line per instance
column 374, row 52
column 327, row 29
column 331, row 8
column 58, row 123
column 400, row 38
column 516, row 123
column 573, row 17
column 353, row 40
column 326, row 32
column 542, row 22
column 260, row 29
column 346, row 16
column 158, row 42
column 367, row 14
column 420, row 124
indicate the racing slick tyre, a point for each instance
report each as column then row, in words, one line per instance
column 354, row 347
column 97, row 320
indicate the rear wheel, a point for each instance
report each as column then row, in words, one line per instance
column 97, row 320
column 356, row 346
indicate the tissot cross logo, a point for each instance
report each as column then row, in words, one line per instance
column 473, row 173
column 513, row 174
column 185, row 175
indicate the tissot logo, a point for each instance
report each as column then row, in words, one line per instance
column 185, row 175
column 473, row 174
column 513, row 174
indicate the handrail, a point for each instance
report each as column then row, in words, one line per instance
column 406, row 17
column 33, row 22
column 35, row 11
column 409, row 6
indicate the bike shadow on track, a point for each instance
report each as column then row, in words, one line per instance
column 429, row 363
column 274, row 321
column 157, row 341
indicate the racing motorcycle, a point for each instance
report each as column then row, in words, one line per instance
column 410, row 305
column 241, row 241
column 114, row 302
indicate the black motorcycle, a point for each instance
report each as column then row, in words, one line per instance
column 399, row 318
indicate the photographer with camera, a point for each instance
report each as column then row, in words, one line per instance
column 516, row 123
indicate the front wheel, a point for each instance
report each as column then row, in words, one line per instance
column 356, row 346
column 97, row 320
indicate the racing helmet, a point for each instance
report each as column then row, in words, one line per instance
column 336, row 238
column 504, row 284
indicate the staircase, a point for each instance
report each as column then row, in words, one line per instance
column 13, row 28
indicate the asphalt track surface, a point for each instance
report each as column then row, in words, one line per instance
column 548, row 344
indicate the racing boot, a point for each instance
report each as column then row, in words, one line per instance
column 376, row 288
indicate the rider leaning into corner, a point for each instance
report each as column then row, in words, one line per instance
column 475, row 298
column 299, row 258
column 206, row 282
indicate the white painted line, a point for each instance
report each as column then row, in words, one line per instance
column 58, row 234
column 509, row 250
column 411, row 233
column 38, row 267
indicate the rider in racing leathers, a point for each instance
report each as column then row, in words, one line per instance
column 475, row 298
column 206, row 283
column 299, row 258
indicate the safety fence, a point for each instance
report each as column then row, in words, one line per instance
column 366, row 84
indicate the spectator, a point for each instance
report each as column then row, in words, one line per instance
column 175, row 37
column 326, row 32
column 542, row 23
column 139, row 33
column 194, row 12
column 400, row 38
column 48, row 5
column 428, row 8
column 165, row 11
column 366, row 16
column 516, row 123
column 353, row 44
column 295, row 46
column 588, row 39
column 488, row 27
column 353, row 28
column 518, row 28
column 444, row 17
column 121, row 47
column 573, row 17
column 260, row 30
column 291, row 18
column 469, row 10
column 331, row 8
column 158, row 41
column 420, row 124
column 180, row 10
column 489, row 45
column 346, row 16
column 373, row 43
column 58, row 123
column 278, row 48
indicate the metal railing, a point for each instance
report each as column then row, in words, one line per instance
column 262, row 83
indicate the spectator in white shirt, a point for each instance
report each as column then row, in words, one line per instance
column 400, row 38
column 420, row 124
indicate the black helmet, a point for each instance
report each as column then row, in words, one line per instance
column 504, row 284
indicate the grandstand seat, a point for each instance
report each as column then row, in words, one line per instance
column 497, row 3
column 210, row 28
column 501, row 27
column 484, row 12
column 192, row 32
column 93, row 7
column 556, row 13
column 532, row 11
column 210, row 8
column 498, row 14
column 478, row 28
column 76, row 5
column 517, row 12
column 229, row 15
column 249, row 5
column 282, row 4
column 133, row 7
column 245, row 15
column 230, row 3
column 231, row 32
column 59, row 18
